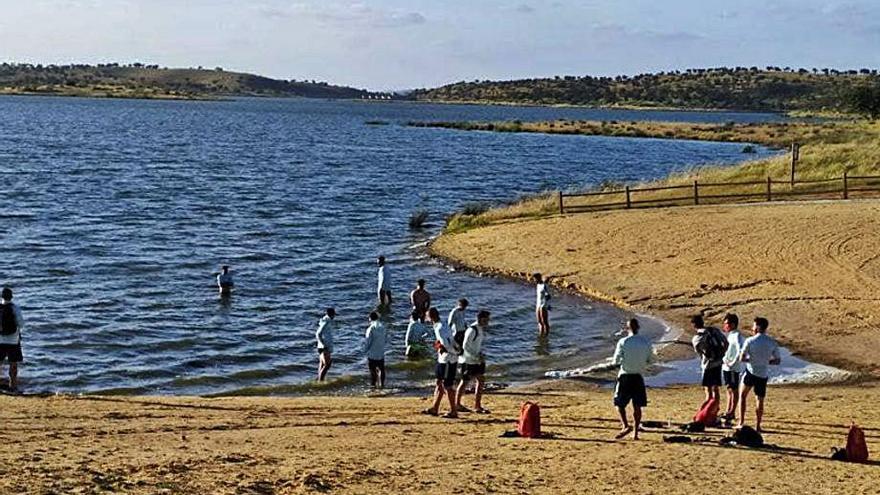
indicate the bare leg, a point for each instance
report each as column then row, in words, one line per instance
column 478, row 392
column 637, row 421
column 743, row 395
column 625, row 428
column 324, row 366
column 539, row 317
column 438, row 396
column 546, row 318
column 732, row 402
column 382, row 375
column 759, row 412
column 460, row 393
column 13, row 376
column 373, row 376
column 453, row 410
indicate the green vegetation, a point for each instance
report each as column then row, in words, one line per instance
column 827, row 151
column 151, row 81
column 771, row 89
column 417, row 219
column 866, row 100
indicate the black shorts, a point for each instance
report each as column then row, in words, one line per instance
column 469, row 371
column 376, row 365
column 12, row 352
column 445, row 372
column 630, row 388
column 757, row 383
column 712, row 377
column 732, row 379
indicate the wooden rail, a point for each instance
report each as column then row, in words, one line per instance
column 708, row 192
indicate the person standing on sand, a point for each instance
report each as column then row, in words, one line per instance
column 11, row 323
column 420, row 299
column 474, row 362
column 224, row 281
column 633, row 354
column 374, row 347
column 542, row 304
column 447, row 359
column 324, row 336
column 732, row 368
column 383, row 290
column 711, row 345
column 415, row 337
column 758, row 352
column 457, row 320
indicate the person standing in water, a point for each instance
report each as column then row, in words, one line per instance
column 420, row 299
column 374, row 347
column 457, row 320
column 324, row 336
column 383, row 290
column 474, row 362
column 447, row 359
column 11, row 324
column 542, row 304
column 415, row 337
column 224, row 281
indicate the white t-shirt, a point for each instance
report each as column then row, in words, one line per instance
column 456, row 320
column 542, row 296
column 444, row 336
column 633, row 353
column 415, row 333
column 760, row 349
column 472, row 346
column 383, row 278
column 224, row 280
column 735, row 342
column 14, row 338
column 324, row 335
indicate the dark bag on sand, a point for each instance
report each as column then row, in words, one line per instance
column 748, row 437
column 8, row 325
column 838, row 454
column 693, row 427
column 856, row 447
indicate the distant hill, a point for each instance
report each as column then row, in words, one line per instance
column 152, row 81
column 771, row 89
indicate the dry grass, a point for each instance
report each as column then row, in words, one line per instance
column 827, row 151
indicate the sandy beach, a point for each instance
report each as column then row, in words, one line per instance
column 149, row 445
column 812, row 268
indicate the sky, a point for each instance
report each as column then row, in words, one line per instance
column 397, row 44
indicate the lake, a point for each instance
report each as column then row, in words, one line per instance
column 118, row 213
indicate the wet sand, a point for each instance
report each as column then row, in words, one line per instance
column 148, row 445
column 812, row 268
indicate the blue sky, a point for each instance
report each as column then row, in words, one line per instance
column 396, row 44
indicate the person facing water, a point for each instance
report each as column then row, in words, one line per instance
column 474, row 362
column 11, row 324
column 383, row 289
column 732, row 367
column 633, row 354
column 415, row 337
column 542, row 304
column 759, row 352
column 711, row 345
column 447, row 358
column 457, row 320
column 420, row 299
column 224, row 281
column 324, row 336
column 374, row 347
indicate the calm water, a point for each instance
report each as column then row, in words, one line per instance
column 116, row 215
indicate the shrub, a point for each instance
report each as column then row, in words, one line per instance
column 418, row 218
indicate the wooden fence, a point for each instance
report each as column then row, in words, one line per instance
column 719, row 192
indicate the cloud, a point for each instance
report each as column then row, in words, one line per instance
column 357, row 14
column 620, row 33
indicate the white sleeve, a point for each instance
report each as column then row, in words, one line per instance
column 618, row 353
column 19, row 320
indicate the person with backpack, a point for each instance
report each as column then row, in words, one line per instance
column 11, row 324
column 474, row 362
column 447, row 358
column 324, row 336
column 759, row 352
column 711, row 345
column 633, row 354
column 732, row 368
column 457, row 320
column 374, row 347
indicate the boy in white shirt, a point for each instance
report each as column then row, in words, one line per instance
column 758, row 352
column 542, row 305
column 474, row 362
column 324, row 336
column 732, row 368
column 447, row 360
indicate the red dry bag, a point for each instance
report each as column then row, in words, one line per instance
column 529, row 425
column 708, row 414
column 856, row 448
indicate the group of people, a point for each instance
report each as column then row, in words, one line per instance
column 728, row 357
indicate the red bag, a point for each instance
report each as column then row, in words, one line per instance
column 856, row 447
column 708, row 414
column 529, row 425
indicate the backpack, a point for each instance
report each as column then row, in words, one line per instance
column 529, row 425
column 856, row 447
column 748, row 437
column 8, row 324
column 716, row 344
column 708, row 414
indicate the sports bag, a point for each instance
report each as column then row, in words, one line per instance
column 529, row 425
column 856, row 447
column 8, row 324
column 708, row 414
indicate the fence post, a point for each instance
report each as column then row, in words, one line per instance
column 845, row 185
column 561, row 208
column 795, row 156
column 628, row 202
column 696, row 193
column 769, row 189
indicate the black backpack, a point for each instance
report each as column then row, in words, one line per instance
column 748, row 437
column 716, row 344
column 8, row 324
